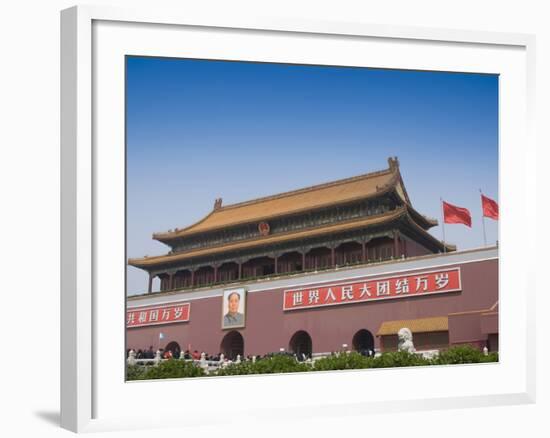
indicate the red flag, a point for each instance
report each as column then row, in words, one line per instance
column 456, row 215
column 490, row 207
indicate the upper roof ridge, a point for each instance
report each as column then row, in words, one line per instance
column 375, row 182
column 307, row 189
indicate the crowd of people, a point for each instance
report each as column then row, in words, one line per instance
column 143, row 354
column 150, row 353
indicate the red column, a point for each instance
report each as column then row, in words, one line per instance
column 240, row 270
column 215, row 273
column 364, row 251
column 332, row 256
column 170, row 281
column 395, row 244
column 150, row 287
column 192, row 277
column 303, row 261
column 276, row 259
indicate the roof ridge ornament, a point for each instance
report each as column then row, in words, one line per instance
column 393, row 163
column 218, row 203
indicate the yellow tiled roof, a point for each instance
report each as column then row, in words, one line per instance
column 341, row 191
column 275, row 238
column 420, row 325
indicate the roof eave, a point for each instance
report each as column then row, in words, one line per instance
column 147, row 264
column 168, row 239
column 443, row 247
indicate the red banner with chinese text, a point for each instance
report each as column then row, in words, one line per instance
column 140, row 317
column 372, row 289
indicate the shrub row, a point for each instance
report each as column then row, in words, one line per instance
column 267, row 365
column 170, row 369
column 174, row 368
column 454, row 355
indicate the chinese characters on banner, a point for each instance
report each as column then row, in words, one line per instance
column 158, row 315
column 371, row 289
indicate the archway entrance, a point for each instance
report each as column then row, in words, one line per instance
column 173, row 347
column 232, row 345
column 300, row 344
column 363, row 341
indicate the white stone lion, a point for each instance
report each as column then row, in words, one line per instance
column 405, row 340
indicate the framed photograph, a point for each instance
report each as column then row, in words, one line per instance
column 234, row 308
column 329, row 209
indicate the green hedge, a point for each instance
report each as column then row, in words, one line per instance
column 135, row 372
column 283, row 363
column 343, row 361
column 170, row 369
column 399, row 359
column 463, row 354
column 279, row 363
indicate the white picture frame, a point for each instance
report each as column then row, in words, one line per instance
column 92, row 40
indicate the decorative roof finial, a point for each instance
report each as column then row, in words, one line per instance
column 393, row 162
column 218, row 203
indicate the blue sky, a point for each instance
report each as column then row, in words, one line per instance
column 199, row 129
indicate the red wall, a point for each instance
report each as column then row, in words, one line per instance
column 268, row 328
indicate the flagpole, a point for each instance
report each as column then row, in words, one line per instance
column 443, row 224
column 483, row 220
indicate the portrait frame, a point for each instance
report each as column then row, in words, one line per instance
column 241, row 292
column 85, row 233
